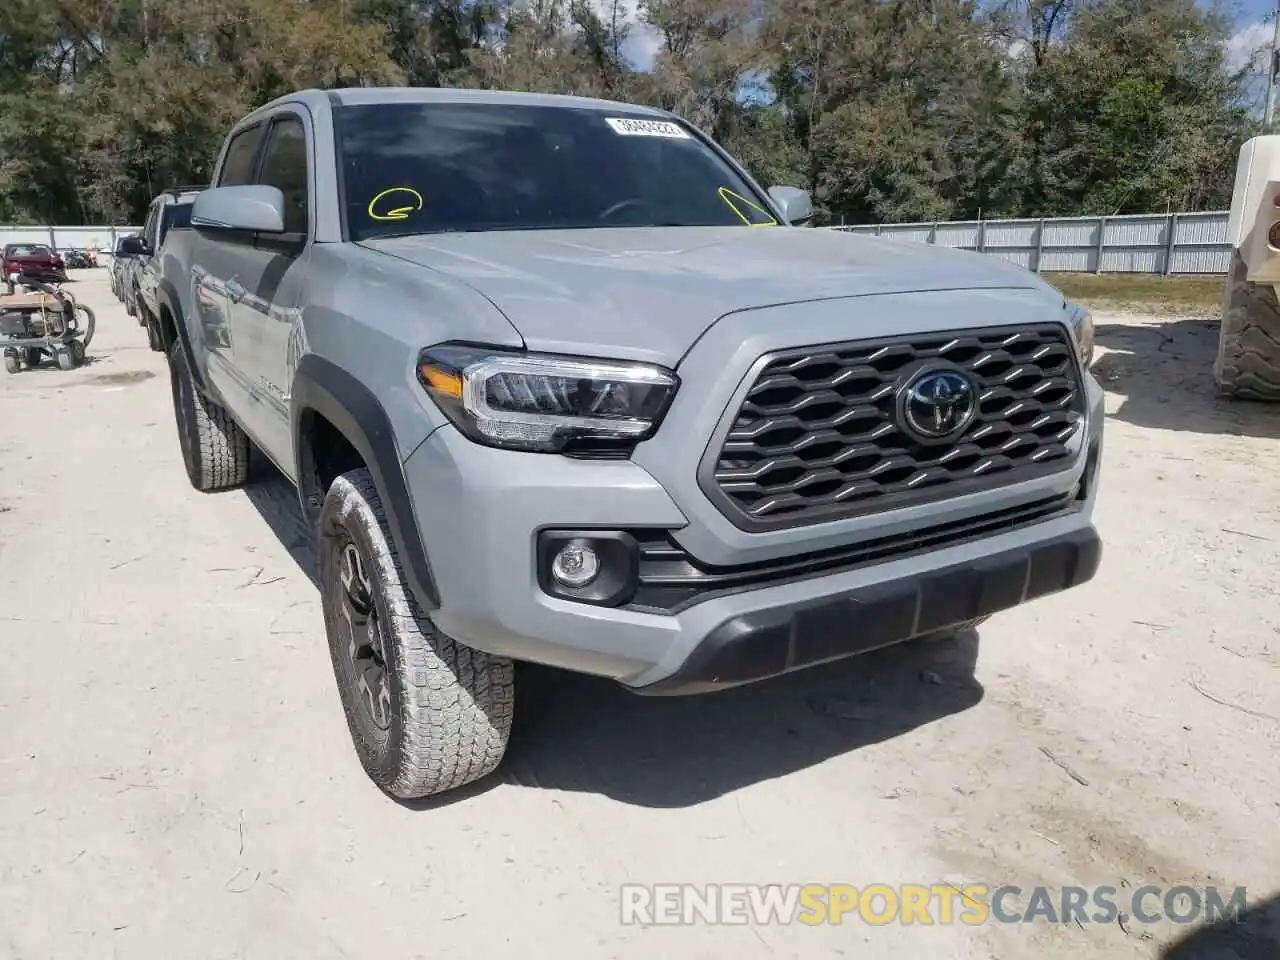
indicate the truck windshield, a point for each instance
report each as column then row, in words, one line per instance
column 444, row 167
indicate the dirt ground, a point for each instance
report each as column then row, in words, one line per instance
column 176, row 778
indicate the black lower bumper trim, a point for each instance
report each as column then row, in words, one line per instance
column 774, row 641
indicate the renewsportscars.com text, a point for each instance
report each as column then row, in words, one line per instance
column 923, row 904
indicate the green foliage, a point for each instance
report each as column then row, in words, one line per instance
column 884, row 109
column 1135, row 111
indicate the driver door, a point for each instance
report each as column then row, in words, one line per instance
column 264, row 287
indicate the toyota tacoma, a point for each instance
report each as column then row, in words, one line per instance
column 557, row 381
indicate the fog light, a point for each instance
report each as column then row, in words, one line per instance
column 600, row 567
column 576, row 565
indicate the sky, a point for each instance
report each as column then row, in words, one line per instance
column 1253, row 30
column 642, row 41
column 1250, row 43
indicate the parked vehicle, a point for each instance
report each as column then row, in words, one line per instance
column 1248, row 361
column 116, row 268
column 36, row 260
column 169, row 210
column 77, row 259
column 615, row 412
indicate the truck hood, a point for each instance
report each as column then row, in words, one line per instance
column 648, row 294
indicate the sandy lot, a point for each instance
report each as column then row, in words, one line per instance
column 176, row 778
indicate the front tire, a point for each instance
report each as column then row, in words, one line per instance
column 426, row 713
column 1248, row 362
column 215, row 450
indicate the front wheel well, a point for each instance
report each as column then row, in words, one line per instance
column 324, row 454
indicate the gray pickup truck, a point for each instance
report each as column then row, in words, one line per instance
column 558, row 382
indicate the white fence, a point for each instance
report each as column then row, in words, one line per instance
column 66, row 238
column 1147, row 243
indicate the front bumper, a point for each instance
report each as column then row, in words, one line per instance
column 768, row 642
column 480, row 512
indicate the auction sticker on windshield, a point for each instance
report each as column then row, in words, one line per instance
column 647, row 128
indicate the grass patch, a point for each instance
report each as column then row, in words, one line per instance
column 1199, row 295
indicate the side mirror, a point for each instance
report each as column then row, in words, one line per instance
column 131, row 247
column 255, row 208
column 796, row 204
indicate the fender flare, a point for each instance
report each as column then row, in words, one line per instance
column 325, row 388
column 167, row 297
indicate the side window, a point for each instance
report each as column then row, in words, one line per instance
column 149, row 230
column 237, row 169
column 284, row 165
column 154, row 236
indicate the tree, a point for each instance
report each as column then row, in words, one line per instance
column 905, row 109
column 1135, row 111
column 884, row 109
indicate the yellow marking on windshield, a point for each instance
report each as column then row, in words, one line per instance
column 400, row 212
column 726, row 193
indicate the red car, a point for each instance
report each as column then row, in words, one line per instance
column 34, row 259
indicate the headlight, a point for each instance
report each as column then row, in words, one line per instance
column 1082, row 325
column 546, row 403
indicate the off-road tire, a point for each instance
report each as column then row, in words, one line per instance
column 215, row 450
column 1248, row 362
column 450, row 706
column 12, row 363
column 66, row 359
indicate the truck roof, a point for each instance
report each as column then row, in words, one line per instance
column 355, row 96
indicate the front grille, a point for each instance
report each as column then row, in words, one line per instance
column 671, row 580
column 818, row 437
